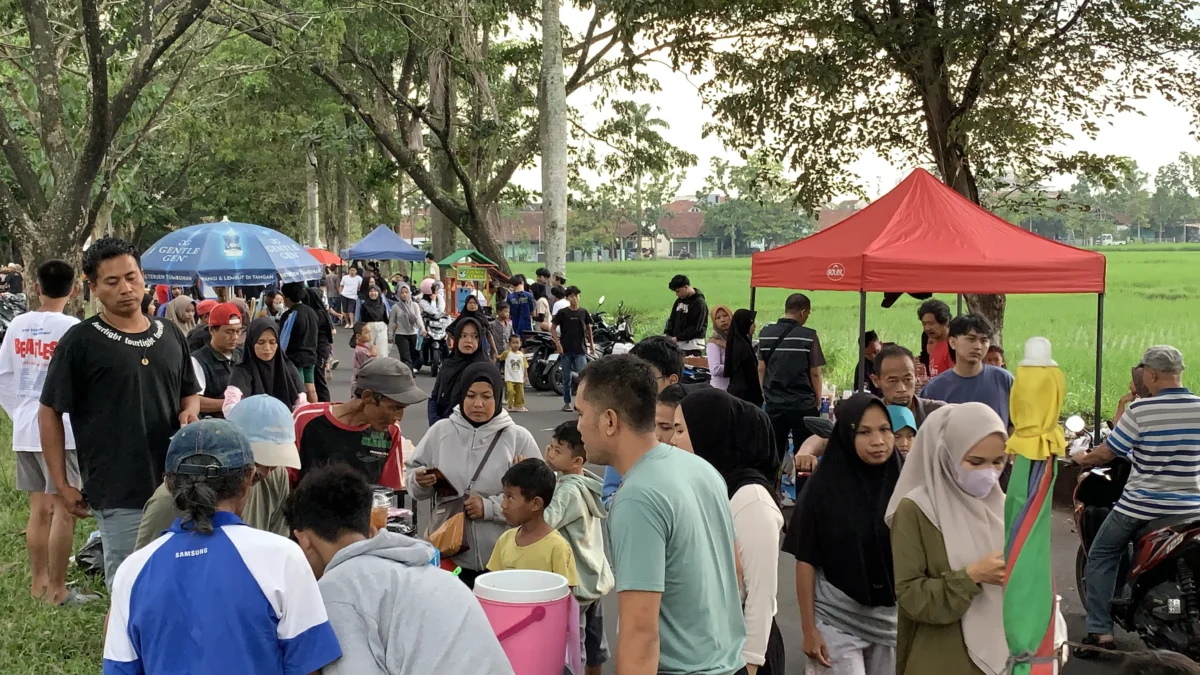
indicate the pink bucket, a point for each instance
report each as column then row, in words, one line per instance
column 535, row 618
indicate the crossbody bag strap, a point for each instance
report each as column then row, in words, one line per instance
column 782, row 337
column 482, row 462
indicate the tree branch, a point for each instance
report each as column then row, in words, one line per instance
column 52, row 131
column 441, row 132
column 142, row 70
column 27, row 178
column 399, row 151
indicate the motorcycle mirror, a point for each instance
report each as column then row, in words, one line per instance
column 601, row 301
column 1075, row 424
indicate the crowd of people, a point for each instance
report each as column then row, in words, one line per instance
column 214, row 456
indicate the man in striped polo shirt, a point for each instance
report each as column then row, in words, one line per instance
column 1160, row 438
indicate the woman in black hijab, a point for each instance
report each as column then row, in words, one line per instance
column 264, row 369
column 844, row 578
column 374, row 312
column 468, row 334
column 741, row 364
column 473, row 310
column 736, row 438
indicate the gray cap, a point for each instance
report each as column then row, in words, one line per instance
column 1164, row 359
column 390, row 378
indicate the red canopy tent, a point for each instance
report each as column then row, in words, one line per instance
column 925, row 237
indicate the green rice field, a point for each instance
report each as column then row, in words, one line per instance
column 1153, row 297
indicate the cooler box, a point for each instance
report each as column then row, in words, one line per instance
column 536, row 619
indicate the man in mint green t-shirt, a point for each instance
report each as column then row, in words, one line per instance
column 670, row 529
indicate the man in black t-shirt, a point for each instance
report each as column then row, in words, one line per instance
column 790, row 361
column 574, row 325
column 298, row 335
column 127, row 382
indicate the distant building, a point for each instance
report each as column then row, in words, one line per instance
column 827, row 218
column 679, row 231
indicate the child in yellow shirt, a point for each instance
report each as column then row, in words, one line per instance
column 531, row 544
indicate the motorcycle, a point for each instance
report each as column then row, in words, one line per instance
column 433, row 346
column 1156, row 595
column 614, row 339
column 10, row 307
column 695, row 375
column 538, row 348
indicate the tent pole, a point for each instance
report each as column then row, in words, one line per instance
column 753, row 292
column 959, row 312
column 1099, row 366
column 862, row 336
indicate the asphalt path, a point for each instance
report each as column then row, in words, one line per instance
column 544, row 414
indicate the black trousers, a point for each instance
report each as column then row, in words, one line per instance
column 790, row 420
column 407, row 346
column 319, row 382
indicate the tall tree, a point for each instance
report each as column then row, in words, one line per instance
column 640, row 161
column 553, row 119
column 70, row 52
column 376, row 56
column 978, row 88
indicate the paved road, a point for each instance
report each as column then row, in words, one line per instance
column 544, row 415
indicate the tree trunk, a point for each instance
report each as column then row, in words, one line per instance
column 327, row 189
column 553, row 130
column 948, row 147
column 344, row 212
column 641, row 215
column 314, row 198
column 441, row 108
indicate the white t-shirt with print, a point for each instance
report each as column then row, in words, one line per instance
column 24, row 360
column 514, row 367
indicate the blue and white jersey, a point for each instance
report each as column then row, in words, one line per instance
column 1160, row 437
column 237, row 601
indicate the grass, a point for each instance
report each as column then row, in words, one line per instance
column 1150, row 291
column 36, row 639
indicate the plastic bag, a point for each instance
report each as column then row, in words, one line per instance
column 90, row 557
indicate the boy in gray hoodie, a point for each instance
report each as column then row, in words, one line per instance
column 394, row 612
column 577, row 511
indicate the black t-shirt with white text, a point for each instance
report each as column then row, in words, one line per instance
column 572, row 324
column 122, row 392
column 323, row 441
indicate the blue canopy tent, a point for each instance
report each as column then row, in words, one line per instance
column 383, row 244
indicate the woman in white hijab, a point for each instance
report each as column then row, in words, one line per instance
column 947, row 520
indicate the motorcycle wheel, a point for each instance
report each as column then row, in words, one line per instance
column 555, row 378
column 537, row 375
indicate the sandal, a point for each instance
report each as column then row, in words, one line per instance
column 1091, row 646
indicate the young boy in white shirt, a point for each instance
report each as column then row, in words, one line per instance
column 515, row 366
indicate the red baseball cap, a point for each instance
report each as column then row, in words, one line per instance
column 224, row 314
column 205, row 306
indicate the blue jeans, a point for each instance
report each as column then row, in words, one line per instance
column 1104, row 561
column 118, row 533
column 571, row 363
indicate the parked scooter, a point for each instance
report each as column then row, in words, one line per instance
column 1156, row 582
column 433, row 346
column 614, row 339
column 539, row 348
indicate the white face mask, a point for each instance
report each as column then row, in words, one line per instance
column 979, row 482
column 278, row 306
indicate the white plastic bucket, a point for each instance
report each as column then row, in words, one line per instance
column 533, row 614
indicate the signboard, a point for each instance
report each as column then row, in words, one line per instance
column 471, row 273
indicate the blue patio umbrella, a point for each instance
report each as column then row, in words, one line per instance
column 228, row 254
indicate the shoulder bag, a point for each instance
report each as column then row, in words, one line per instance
column 448, row 521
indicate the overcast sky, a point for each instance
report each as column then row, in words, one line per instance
column 1153, row 139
